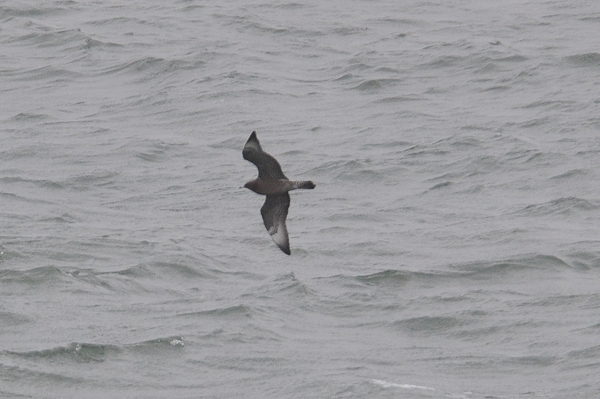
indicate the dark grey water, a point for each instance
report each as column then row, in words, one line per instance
column 450, row 249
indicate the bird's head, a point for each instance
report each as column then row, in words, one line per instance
column 252, row 185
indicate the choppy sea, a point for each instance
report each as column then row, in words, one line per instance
column 451, row 248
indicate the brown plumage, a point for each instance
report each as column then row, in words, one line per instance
column 272, row 182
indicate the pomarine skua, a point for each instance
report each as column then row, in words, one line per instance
column 272, row 182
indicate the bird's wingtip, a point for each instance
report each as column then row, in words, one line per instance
column 252, row 139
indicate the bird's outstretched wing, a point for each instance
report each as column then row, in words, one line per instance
column 274, row 211
column 268, row 167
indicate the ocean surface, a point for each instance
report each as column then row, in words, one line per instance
column 451, row 248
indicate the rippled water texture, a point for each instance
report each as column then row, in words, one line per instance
column 450, row 248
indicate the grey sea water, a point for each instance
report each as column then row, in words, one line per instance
column 449, row 250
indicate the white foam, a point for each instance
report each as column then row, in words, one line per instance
column 386, row 384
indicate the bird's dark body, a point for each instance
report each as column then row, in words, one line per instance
column 275, row 185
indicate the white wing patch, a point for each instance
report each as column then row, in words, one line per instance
column 274, row 212
column 279, row 235
column 253, row 145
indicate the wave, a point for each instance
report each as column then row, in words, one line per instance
column 20, row 199
column 560, row 206
column 394, row 277
column 573, row 173
column 157, row 344
column 17, row 9
column 375, row 85
column 224, row 312
column 355, row 171
column 12, row 319
column 426, row 324
column 22, row 117
column 486, row 270
column 584, row 60
column 591, row 353
column 508, row 268
column 150, row 67
column 43, row 36
column 31, row 376
column 387, row 384
column 74, row 352
column 285, row 284
column 32, row 277
column 178, row 267
column 140, row 279
column 98, row 178
column 79, row 352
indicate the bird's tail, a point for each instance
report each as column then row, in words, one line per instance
column 304, row 184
